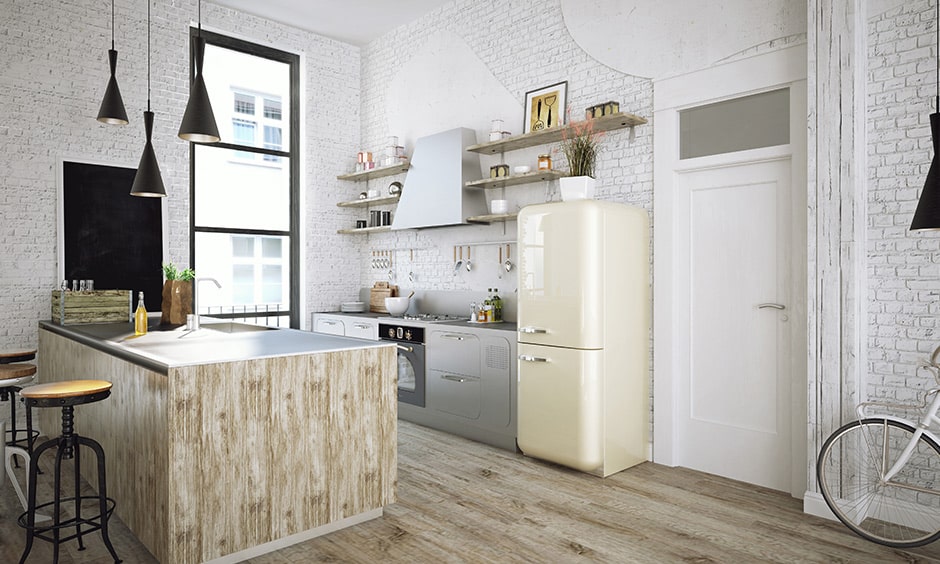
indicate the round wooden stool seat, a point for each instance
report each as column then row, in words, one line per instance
column 67, row 389
column 13, row 355
column 19, row 372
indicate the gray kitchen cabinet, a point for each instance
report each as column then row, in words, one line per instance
column 346, row 326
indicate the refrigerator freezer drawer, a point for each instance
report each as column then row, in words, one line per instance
column 561, row 405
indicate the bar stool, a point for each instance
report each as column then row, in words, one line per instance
column 66, row 395
column 12, row 378
column 10, row 368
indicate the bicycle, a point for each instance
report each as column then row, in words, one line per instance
column 879, row 474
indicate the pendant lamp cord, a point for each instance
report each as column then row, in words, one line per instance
column 937, row 28
column 112, row 25
column 148, row 55
column 199, row 23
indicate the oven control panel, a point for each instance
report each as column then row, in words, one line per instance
column 401, row 333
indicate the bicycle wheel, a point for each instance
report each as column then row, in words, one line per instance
column 904, row 512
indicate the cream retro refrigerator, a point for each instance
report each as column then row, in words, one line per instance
column 584, row 320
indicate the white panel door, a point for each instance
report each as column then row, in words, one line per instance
column 561, row 286
column 732, row 250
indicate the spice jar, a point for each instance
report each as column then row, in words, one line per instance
column 545, row 162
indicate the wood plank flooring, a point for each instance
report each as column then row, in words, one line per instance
column 461, row 501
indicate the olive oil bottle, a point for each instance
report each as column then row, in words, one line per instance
column 140, row 317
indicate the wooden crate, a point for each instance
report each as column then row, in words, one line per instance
column 97, row 306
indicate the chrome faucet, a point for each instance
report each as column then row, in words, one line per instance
column 196, row 298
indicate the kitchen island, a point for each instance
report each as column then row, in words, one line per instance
column 232, row 441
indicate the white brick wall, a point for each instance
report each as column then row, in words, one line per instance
column 55, row 70
column 903, row 267
column 524, row 49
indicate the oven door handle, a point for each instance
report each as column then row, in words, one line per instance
column 404, row 348
column 452, row 337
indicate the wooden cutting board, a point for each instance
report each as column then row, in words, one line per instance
column 377, row 295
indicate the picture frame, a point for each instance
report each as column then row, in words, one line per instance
column 545, row 107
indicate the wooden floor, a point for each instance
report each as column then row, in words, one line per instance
column 461, row 501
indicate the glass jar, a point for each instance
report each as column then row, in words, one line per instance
column 545, row 162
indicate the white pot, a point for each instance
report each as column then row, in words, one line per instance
column 576, row 188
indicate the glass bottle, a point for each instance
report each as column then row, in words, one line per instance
column 497, row 306
column 140, row 316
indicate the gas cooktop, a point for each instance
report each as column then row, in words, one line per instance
column 430, row 317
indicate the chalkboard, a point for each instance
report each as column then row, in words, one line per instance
column 110, row 236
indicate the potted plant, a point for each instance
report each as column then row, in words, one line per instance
column 177, row 294
column 579, row 144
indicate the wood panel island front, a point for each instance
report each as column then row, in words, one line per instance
column 231, row 441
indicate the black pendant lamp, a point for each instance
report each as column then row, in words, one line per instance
column 927, row 215
column 112, row 107
column 147, row 181
column 198, row 123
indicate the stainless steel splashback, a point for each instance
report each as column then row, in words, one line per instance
column 434, row 194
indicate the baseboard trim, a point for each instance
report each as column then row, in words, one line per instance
column 265, row 548
column 814, row 504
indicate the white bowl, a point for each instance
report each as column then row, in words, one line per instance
column 499, row 206
column 397, row 306
column 521, row 169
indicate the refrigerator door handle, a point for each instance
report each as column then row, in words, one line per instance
column 452, row 337
column 530, row 358
column 532, row 330
column 453, row 378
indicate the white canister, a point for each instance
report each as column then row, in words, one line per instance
column 496, row 125
column 499, row 206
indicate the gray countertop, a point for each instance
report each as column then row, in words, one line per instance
column 217, row 341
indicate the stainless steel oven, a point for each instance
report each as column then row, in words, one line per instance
column 411, row 360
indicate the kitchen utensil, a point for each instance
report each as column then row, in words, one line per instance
column 459, row 263
column 352, row 307
column 386, row 218
column 508, row 263
column 373, row 193
column 499, row 265
column 468, row 259
column 363, row 195
column 361, row 224
column 395, row 188
column 397, row 306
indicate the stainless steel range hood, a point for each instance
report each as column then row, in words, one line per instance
column 434, row 194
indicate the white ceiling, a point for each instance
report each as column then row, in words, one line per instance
column 352, row 21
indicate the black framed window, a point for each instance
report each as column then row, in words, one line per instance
column 245, row 190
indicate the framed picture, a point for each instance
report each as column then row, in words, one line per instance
column 545, row 107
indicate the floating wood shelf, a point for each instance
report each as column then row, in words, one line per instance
column 492, row 218
column 619, row 120
column 370, row 201
column 515, row 179
column 365, row 230
column 377, row 172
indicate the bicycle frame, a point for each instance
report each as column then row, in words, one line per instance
column 929, row 417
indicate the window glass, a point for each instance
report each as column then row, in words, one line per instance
column 243, row 188
column 749, row 122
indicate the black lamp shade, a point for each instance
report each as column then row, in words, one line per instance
column 147, row 181
column 199, row 121
column 927, row 215
column 112, row 107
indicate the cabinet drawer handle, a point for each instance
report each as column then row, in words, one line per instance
column 361, row 326
column 453, row 378
column 774, row 306
column 530, row 358
column 452, row 337
column 532, row 330
column 404, row 348
column 328, row 322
